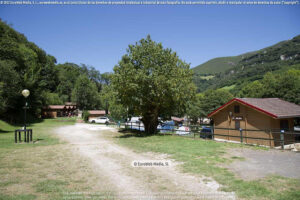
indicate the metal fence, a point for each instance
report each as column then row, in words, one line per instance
column 191, row 131
column 270, row 137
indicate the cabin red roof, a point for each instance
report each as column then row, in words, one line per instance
column 55, row 107
column 177, row 119
column 97, row 112
column 273, row 107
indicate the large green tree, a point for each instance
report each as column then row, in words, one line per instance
column 85, row 93
column 254, row 89
column 285, row 85
column 111, row 102
column 23, row 65
column 194, row 111
column 152, row 81
column 212, row 99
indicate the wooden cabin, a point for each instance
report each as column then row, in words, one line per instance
column 262, row 118
column 54, row 111
column 97, row 113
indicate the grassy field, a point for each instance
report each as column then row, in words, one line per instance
column 46, row 168
column 228, row 87
column 206, row 157
column 207, row 77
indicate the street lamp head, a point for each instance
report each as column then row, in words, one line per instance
column 25, row 93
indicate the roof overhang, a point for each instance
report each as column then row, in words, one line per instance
column 286, row 117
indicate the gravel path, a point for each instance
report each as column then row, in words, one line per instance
column 95, row 143
column 261, row 163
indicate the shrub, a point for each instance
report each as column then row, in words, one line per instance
column 85, row 115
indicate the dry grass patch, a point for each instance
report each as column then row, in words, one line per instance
column 46, row 170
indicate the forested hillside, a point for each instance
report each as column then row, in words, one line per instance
column 24, row 65
column 271, row 72
column 217, row 65
column 252, row 66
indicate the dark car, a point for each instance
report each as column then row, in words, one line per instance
column 206, row 132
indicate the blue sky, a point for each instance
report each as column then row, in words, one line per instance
column 99, row 35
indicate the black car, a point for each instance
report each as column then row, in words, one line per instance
column 206, row 133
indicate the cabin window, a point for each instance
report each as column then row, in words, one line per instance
column 237, row 109
column 237, row 124
column 284, row 125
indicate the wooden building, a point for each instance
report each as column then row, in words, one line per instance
column 53, row 111
column 177, row 120
column 97, row 113
column 257, row 118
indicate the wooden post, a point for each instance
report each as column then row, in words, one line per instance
column 246, row 121
column 19, row 136
column 282, row 138
column 27, row 135
column 212, row 132
column 31, row 135
column 270, row 132
column 228, row 132
column 193, row 132
column 16, row 137
column 241, row 135
column 139, row 126
column 24, row 136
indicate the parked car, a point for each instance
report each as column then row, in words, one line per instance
column 183, row 130
column 206, row 132
column 135, row 123
column 167, row 126
column 100, row 120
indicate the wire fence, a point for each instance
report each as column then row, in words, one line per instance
column 267, row 137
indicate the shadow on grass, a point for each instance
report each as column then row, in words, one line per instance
column 21, row 124
column 127, row 133
column 37, row 140
column 3, row 131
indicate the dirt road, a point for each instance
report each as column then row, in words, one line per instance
column 95, row 143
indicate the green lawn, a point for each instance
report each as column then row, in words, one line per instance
column 41, row 134
column 206, row 158
column 228, row 87
column 207, row 77
column 46, row 168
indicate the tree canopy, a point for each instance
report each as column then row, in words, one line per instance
column 85, row 93
column 152, row 81
column 24, row 65
column 285, row 85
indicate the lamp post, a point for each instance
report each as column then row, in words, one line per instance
column 27, row 133
column 25, row 93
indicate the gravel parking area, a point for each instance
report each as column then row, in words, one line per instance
column 261, row 163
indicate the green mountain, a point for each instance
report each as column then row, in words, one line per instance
column 217, row 65
column 222, row 64
column 238, row 70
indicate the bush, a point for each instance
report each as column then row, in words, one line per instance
column 85, row 115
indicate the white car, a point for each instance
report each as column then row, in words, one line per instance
column 183, row 130
column 99, row 120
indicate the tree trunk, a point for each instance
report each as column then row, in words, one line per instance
column 150, row 123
